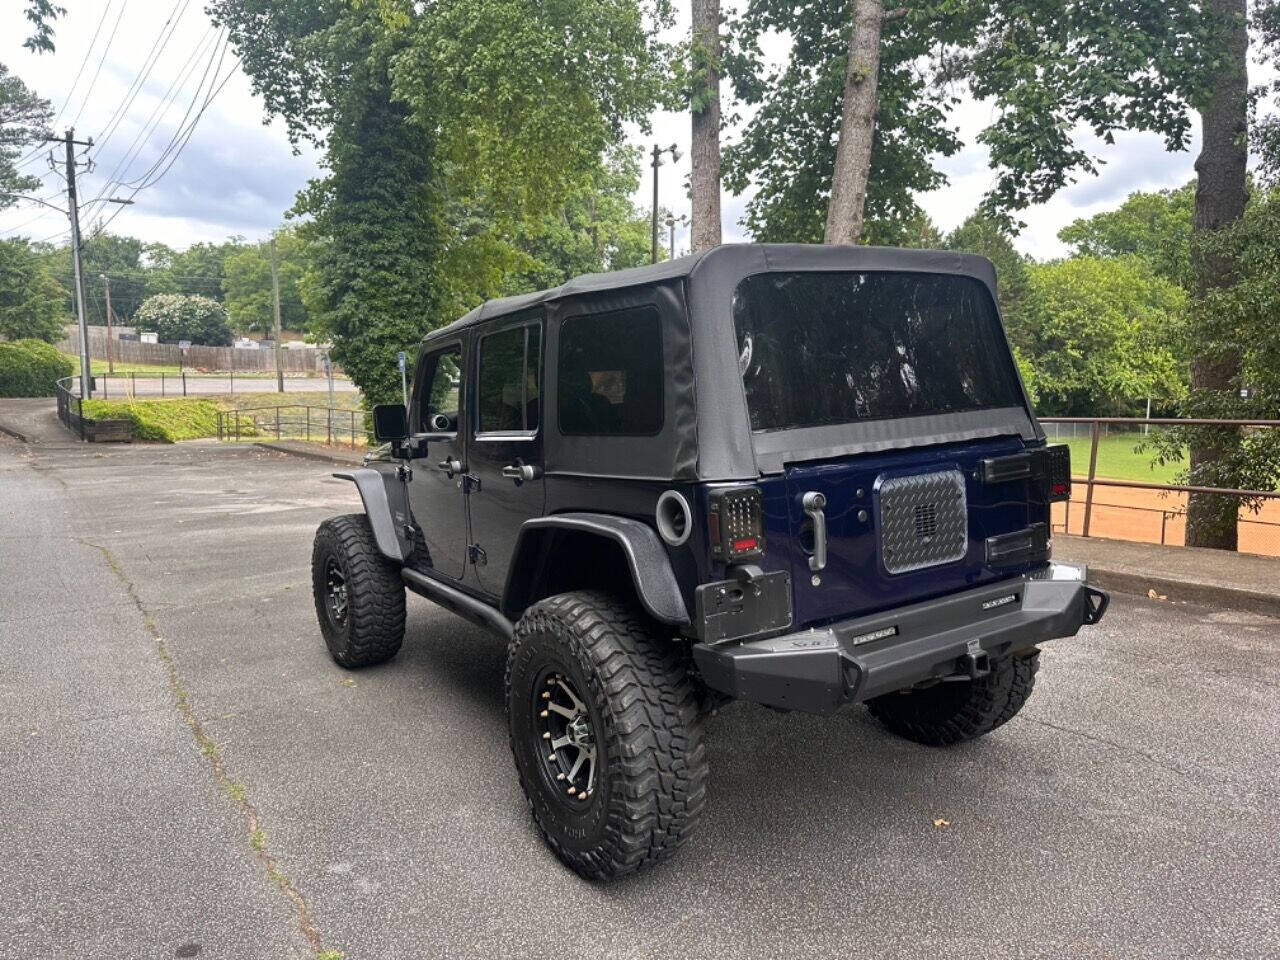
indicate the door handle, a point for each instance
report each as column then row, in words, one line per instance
column 450, row 465
column 521, row 472
column 814, row 503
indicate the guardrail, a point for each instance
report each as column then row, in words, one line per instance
column 337, row 426
column 1092, row 481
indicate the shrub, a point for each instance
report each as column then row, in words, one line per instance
column 175, row 317
column 29, row 368
column 163, row 420
column 30, row 298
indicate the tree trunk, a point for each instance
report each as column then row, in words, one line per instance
column 1221, row 195
column 857, row 125
column 704, row 181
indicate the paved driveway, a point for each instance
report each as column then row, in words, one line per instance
column 183, row 768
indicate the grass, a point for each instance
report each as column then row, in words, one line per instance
column 310, row 398
column 1117, row 459
column 168, row 421
column 191, row 418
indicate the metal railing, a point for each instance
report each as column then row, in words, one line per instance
column 71, row 413
column 336, row 426
column 1092, row 481
column 185, row 383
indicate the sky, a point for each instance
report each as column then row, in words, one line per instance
column 237, row 174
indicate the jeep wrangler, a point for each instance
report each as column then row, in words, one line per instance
column 803, row 476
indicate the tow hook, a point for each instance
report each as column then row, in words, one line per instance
column 975, row 662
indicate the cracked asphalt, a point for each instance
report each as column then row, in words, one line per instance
column 184, row 772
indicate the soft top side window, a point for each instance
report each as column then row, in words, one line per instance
column 508, row 385
column 610, row 376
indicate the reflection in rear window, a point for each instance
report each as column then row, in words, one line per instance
column 827, row 348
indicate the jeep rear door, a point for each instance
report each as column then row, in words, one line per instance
column 506, row 446
column 895, row 360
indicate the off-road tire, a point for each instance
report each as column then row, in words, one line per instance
column 373, row 627
column 949, row 713
column 651, row 761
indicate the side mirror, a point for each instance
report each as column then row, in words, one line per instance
column 390, row 422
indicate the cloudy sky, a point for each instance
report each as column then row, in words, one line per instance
column 236, row 174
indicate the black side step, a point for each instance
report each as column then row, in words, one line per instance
column 455, row 600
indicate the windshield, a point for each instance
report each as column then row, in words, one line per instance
column 828, row 348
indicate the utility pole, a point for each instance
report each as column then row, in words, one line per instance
column 275, row 295
column 73, row 211
column 106, row 286
column 657, row 153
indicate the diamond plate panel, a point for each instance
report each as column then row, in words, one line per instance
column 924, row 521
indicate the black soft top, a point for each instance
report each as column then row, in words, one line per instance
column 719, row 271
column 706, row 433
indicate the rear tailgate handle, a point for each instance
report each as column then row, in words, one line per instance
column 814, row 503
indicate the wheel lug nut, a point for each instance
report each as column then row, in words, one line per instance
column 559, row 776
column 551, row 757
column 572, row 791
column 547, row 735
column 543, row 714
column 546, row 695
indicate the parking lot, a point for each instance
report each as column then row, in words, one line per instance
column 184, row 772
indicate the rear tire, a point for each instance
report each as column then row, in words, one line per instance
column 949, row 713
column 358, row 593
column 584, row 669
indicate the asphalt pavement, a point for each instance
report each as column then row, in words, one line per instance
column 184, row 772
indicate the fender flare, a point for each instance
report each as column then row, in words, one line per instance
column 654, row 580
column 387, row 507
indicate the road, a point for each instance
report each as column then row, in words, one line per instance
column 183, row 771
column 204, row 385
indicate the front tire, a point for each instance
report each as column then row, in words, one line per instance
column 949, row 713
column 358, row 593
column 606, row 734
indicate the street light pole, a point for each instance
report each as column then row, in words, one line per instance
column 73, row 211
column 106, row 286
column 657, row 153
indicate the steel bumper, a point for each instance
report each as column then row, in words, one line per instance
column 952, row 637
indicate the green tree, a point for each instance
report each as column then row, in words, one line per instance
column 175, row 317
column 41, row 14
column 1100, row 335
column 1153, row 226
column 247, row 285
column 1047, row 69
column 428, row 114
column 30, row 298
column 990, row 237
column 24, row 119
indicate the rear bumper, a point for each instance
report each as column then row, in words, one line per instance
column 824, row 669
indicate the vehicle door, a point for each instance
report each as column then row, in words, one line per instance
column 437, row 495
column 506, row 447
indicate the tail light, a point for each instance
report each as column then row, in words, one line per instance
column 735, row 518
column 1058, row 472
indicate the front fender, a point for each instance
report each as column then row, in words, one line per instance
column 651, row 572
column 387, row 507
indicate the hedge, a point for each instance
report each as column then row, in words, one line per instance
column 30, row 368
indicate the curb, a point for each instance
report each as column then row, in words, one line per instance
column 1185, row 591
column 345, row 459
column 16, row 434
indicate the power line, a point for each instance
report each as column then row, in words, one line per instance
column 157, row 47
column 74, row 83
column 161, row 109
column 101, row 61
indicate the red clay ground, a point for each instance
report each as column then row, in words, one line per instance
column 1126, row 514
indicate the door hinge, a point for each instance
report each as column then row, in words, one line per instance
column 470, row 483
column 476, row 555
column 404, row 473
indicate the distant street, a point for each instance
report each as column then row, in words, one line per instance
column 171, row 385
column 186, row 773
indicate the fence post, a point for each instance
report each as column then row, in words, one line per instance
column 106, row 384
column 308, row 424
column 353, row 429
column 1093, row 472
column 233, row 381
column 219, row 424
column 184, row 383
column 277, row 423
column 162, row 383
column 133, row 384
